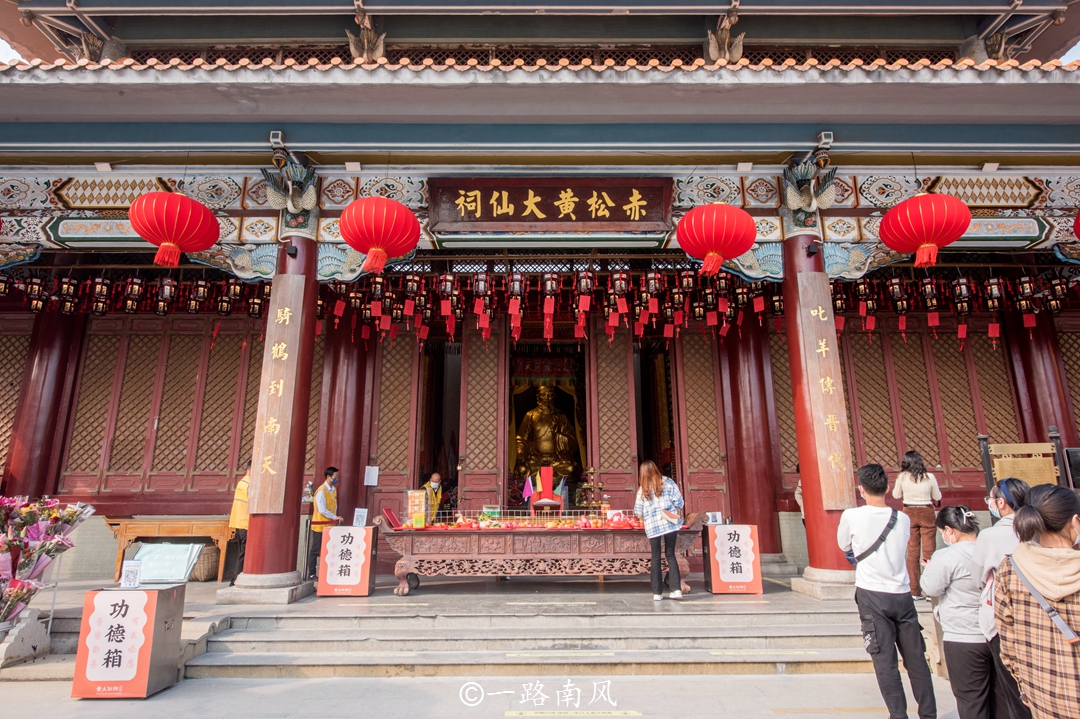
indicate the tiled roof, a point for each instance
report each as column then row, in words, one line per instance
column 900, row 67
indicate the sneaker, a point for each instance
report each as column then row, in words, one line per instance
column 677, row 594
column 657, row 597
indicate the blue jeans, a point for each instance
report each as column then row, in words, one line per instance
column 674, row 581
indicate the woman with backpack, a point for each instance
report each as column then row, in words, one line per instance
column 659, row 503
column 1037, row 603
column 919, row 491
column 949, row 576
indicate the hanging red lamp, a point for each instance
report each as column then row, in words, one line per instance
column 175, row 223
column 379, row 228
column 715, row 233
column 923, row 224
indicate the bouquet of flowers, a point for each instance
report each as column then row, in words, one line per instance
column 14, row 598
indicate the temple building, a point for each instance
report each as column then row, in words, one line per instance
column 549, row 152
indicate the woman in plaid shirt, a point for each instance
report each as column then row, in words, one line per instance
column 659, row 503
column 1045, row 664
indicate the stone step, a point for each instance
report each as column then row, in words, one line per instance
column 528, row 663
column 666, row 615
column 830, row 636
column 51, row 668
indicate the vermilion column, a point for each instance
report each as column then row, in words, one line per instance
column 755, row 495
column 1034, row 361
column 821, row 524
column 54, row 348
column 345, row 373
column 272, row 538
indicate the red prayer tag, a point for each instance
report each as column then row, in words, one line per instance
column 739, row 318
column 654, row 304
column 1029, row 320
column 933, row 319
column 669, row 330
column 901, row 323
column 993, row 330
column 725, row 329
column 423, row 332
column 484, row 320
column 478, row 306
column 839, row 322
column 515, row 320
column 678, row 317
column 862, row 309
column 445, row 309
column 515, row 306
column 418, row 319
column 621, row 304
column 610, row 328
column 410, row 307
column 384, row 322
column 318, row 328
column 961, row 332
column 376, row 308
column 871, row 323
column 486, row 333
column 365, row 331
column 393, row 332
column 451, row 324
column 339, row 308
column 722, row 304
column 639, row 329
column 711, row 318
column 584, row 303
column 759, row 304
column 579, row 331
column 613, row 319
column 549, row 305
column 643, row 318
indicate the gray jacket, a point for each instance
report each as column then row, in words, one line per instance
column 992, row 546
column 949, row 577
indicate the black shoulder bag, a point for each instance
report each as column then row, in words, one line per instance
column 854, row 560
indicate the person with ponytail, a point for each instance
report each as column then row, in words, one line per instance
column 993, row 545
column 920, row 492
column 949, row 576
column 1037, row 603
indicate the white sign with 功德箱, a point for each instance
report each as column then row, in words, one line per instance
column 733, row 563
column 345, row 562
column 117, row 631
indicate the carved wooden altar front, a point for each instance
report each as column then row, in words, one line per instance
column 527, row 552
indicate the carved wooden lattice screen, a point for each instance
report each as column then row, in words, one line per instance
column 394, row 434
column 614, row 452
column 705, row 478
column 1070, row 355
column 14, row 346
column 164, row 413
column 480, row 427
column 784, row 402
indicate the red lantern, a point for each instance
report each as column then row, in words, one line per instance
column 175, row 223
column 380, row 228
column 924, row 223
column 714, row 233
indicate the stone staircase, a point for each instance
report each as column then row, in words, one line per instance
column 676, row 638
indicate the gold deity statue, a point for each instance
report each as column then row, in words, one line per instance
column 545, row 435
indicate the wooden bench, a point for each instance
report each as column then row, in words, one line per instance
column 127, row 530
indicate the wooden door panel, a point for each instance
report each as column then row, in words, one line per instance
column 482, row 440
column 612, row 445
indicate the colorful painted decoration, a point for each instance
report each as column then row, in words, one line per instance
column 175, row 223
column 923, row 224
column 379, row 228
column 715, row 233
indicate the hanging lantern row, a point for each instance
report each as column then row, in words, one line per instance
column 162, row 296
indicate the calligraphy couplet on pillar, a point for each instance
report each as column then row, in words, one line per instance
column 273, row 422
column 821, row 350
column 347, row 562
column 128, row 643
column 732, row 559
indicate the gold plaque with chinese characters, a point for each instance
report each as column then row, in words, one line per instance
column 547, row 204
column 273, row 423
column 829, row 426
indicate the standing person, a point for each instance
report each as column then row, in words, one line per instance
column 920, row 492
column 1037, row 603
column 992, row 546
column 878, row 537
column 434, row 492
column 323, row 514
column 659, row 503
column 238, row 520
column 949, row 576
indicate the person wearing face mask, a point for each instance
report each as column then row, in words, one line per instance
column 434, row 492
column 1037, row 603
column 324, row 514
column 993, row 544
column 949, row 577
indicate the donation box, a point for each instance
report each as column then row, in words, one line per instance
column 732, row 560
column 129, row 643
column 347, row 562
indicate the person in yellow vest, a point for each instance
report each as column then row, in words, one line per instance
column 323, row 514
column 238, row 520
column 434, row 491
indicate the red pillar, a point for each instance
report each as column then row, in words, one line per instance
column 36, row 435
column 754, row 479
column 821, row 524
column 1035, row 365
column 272, row 538
column 345, row 377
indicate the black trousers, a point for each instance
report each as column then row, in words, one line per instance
column 314, row 549
column 890, row 622
column 972, row 676
column 657, row 571
column 1010, row 706
column 241, row 551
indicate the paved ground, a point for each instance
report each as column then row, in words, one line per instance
column 731, row 697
